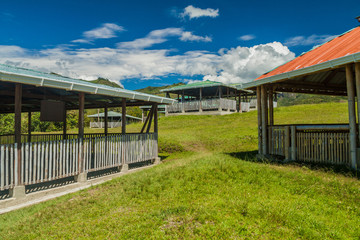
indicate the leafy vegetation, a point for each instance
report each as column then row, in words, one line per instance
column 289, row 99
column 209, row 186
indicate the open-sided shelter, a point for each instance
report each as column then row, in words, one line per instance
column 207, row 97
column 330, row 69
column 98, row 119
column 27, row 159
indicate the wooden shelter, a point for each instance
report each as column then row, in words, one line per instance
column 28, row 159
column 98, row 119
column 207, row 97
column 330, row 69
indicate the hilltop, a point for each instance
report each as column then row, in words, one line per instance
column 156, row 90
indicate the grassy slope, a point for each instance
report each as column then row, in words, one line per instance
column 203, row 191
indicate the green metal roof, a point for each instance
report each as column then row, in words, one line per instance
column 112, row 114
column 201, row 84
column 37, row 78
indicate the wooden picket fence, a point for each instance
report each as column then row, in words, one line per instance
column 8, row 162
column 312, row 143
column 50, row 160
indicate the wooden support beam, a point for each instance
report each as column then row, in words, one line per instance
column 293, row 143
column 150, row 119
column 147, row 120
column 357, row 81
column 258, row 98
column 271, row 107
column 240, row 110
column 81, row 131
column 264, row 119
column 106, row 120
column 123, row 117
column 200, row 100
column 64, row 125
column 352, row 116
column 156, row 127
column 29, row 127
column 18, row 98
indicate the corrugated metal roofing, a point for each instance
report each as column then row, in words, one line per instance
column 201, row 84
column 37, row 78
column 341, row 46
column 112, row 114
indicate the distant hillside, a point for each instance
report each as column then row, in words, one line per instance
column 100, row 80
column 156, row 90
column 107, row 82
column 289, row 99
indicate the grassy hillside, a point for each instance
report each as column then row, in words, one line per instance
column 156, row 90
column 208, row 187
column 289, row 99
column 107, row 82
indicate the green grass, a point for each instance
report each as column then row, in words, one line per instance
column 209, row 187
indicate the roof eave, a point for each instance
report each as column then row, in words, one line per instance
column 70, row 86
column 335, row 63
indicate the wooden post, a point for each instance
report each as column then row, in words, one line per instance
column 200, row 100
column 293, row 143
column 29, row 126
column 64, row 125
column 271, row 107
column 357, row 81
column 82, row 175
column 123, row 116
column 240, row 110
column 352, row 117
column 220, row 95
column 106, row 120
column 156, row 128
column 287, row 142
column 264, row 119
column 258, row 98
column 18, row 105
column 18, row 189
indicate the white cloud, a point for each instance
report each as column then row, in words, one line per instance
column 107, row 30
column 308, row 41
column 194, row 12
column 161, row 36
column 247, row 37
column 243, row 64
column 189, row 36
column 235, row 65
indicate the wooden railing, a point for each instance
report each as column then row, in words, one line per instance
column 50, row 160
column 277, row 140
column 10, row 139
column 102, row 124
column 8, row 157
column 206, row 105
column 312, row 143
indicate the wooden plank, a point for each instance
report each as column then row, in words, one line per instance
column 264, row 119
column 352, row 117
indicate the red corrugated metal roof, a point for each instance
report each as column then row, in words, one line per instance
column 343, row 45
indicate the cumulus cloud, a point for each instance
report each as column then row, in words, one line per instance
column 161, row 36
column 247, row 37
column 235, row 65
column 243, row 64
column 189, row 36
column 308, row 41
column 107, row 30
column 194, row 12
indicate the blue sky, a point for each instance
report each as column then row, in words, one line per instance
column 154, row 43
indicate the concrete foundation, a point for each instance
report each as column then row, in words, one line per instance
column 157, row 161
column 124, row 168
column 17, row 192
column 82, row 177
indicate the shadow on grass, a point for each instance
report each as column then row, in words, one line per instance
column 250, row 156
